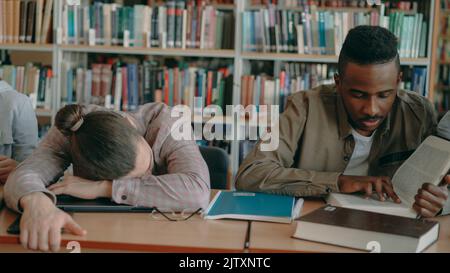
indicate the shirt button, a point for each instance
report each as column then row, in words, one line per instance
column 124, row 197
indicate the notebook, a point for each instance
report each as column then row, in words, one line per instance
column 366, row 230
column 428, row 164
column 73, row 204
column 254, row 206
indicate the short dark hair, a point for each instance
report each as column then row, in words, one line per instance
column 103, row 144
column 368, row 45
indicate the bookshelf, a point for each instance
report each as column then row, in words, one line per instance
column 440, row 58
column 242, row 60
column 27, row 47
column 292, row 57
column 206, row 53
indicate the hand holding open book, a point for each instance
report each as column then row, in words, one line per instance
column 430, row 199
column 421, row 184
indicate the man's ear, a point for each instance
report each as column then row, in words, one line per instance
column 399, row 78
column 338, row 82
column 337, row 79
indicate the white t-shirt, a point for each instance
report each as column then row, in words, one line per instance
column 359, row 162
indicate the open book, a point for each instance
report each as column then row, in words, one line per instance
column 429, row 164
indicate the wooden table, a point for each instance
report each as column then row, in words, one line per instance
column 113, row 232
column 273, row 237
column 120, row 232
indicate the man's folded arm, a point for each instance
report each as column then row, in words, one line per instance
column 272, row 172
column 44, row 166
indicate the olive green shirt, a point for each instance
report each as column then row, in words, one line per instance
column 316, row 144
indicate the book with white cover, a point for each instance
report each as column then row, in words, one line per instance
column 428, row 164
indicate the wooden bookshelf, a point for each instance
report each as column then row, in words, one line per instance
column 241, row 59
column 208, row 53
column 224, row 7
column 434, row 58
column 292, row 57
column 28, row 47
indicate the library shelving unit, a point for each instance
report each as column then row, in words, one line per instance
column 242, row 60
column 441, row 57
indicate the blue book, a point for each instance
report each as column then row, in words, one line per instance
column 69, row 86
column 171, row 87
column 70, row 24
column 133, row 95
column 254, row 206
column 322, row 35
column 253, row 45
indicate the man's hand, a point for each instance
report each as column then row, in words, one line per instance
column 82, row 188
column 7, row 165
column 430, row 199
column 368, row 184
column 41, row 223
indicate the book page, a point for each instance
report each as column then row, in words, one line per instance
column 359, row 200
column 372, row 204
column 428, row 164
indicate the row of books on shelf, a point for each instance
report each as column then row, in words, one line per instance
column 442, row 102
column 444, row 50
column 444, row 76
column 404, row 5
column 445, row 4
column 175, row 24
column 26, row 21
column 33, row 80
column 264, row 89
column 443, row 89
column 126, row 85
column 415, row 79
column 444, row 42
column 323, row 32
column 212, row 2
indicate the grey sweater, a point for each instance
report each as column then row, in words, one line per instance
column 18, row 124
